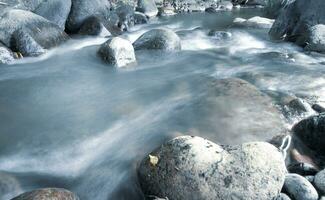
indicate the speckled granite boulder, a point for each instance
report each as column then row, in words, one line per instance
column 194, row 168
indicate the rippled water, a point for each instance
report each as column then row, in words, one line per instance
column 68, row 120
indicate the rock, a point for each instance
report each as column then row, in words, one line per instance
column 282, row 196
column 297, row 105
column 166, row 11
column 220, row 35
column 303, row 169
column 47, row 194
column 23, row 43
column 163, row 39
column 315, row 38
column 43, row 32
column 148, row 7
column 118, row 52
column 238, row 109
column 299, row 188
column 125, row 14
column 191, row 5
column 56, row 11
column 254, row 22
column 318, row 108
column 93, row 26
column 225, row 5
column 6, row 55
column 251, row 2
column 296, row 20
column 319, row 181
column 310, row 179
column 249, row 171
column 83, row 9
column 9, row 186
column 311, row 131
column 140, row 18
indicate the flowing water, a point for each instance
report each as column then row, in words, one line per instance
column 68, row 120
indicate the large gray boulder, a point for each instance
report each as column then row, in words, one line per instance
column 319, row 181
column 311, row 132
column 296, row 19
column 315, row 38
column 47, row 194
column 56, row 11
column 299, row 188
column 44, row 32
column 254, row 22
column 148, row 7
column 162, row 39
column 194, row 168
column 117, row 51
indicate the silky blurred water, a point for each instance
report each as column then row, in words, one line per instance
column 69, row 120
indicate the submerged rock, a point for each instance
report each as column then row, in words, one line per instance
column 249, row 171
column 140, row 18
column 220, row 35
column 318, row 108
column 163, row 39
column 311, row 131
column 296, row 20
column 42, row 31
column 117, row 51
column 254, row 22
column 47, row 194
column 148, row 7
column 23, row 43
column 299, row 188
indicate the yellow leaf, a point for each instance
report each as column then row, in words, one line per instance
column 153, row 160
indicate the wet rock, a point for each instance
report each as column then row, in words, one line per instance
column 83, row 9
column 254, row 22
column 47, row 194
column 117, row 51
column 162, row 39
column 311, row 131
column 319, row 181
column 166, row 11
column 310, row 179
column 299, row 188
column 56, row 11
column 140, row 18
column 148, row 7
column 6, row 55
column 23, row 43
column 251, row 2
column 222, row 6
column 315, row 38
column 296, row 19
column 93, row 27
column 220, row 35
column 282, row 196
column 302, row 169
column 318, row 108
column 248, row 171
column 9, row 186
column 191, row 5
column 43, row 32
column 125, row 13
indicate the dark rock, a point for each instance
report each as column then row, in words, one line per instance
column 83, row 9
column 117, row 51
column 319, row 181
column 47, row 194
column 299, row 188
column 23, row 43
column 310, row 179
column 56, row 11
column 94, row 27
column 318, row 108
column 163, row 39
column 311, row 131
column 296, row 19
column 282, row 196
column 248, row 171
column 315, row 38
column 140, row 18
column 6, row 55
column 125, row 12
column 148, row 7
column 303, row 169
column 220, row 35
column 44, row 32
